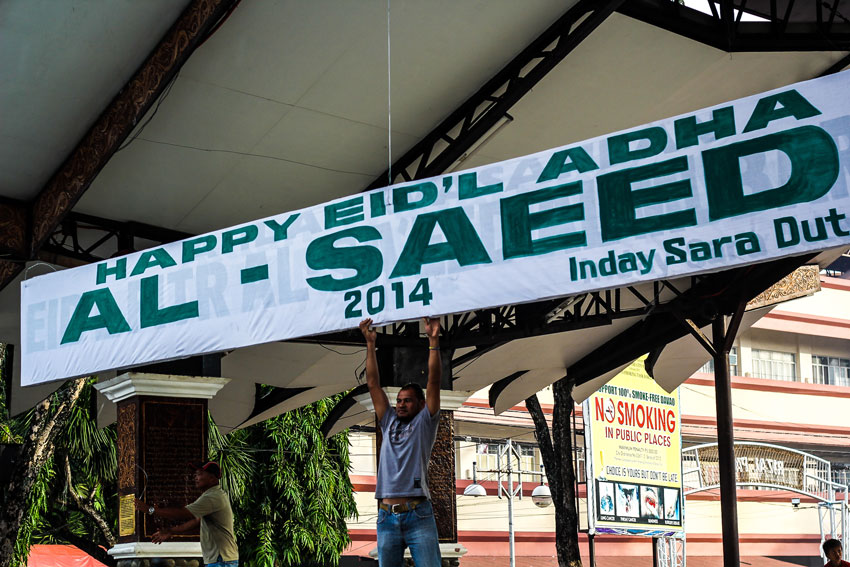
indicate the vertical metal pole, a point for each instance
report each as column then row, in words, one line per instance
column 725, row 445
column 591, row 549
column 830, row 492
column 655, row 562
column 509, row 455
column 832, row 518
column 845, row 540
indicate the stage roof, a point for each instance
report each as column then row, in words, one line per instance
column 131, row 124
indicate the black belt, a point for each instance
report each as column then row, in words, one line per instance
column 403, row 507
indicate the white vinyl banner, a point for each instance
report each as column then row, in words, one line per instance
column 759, row 178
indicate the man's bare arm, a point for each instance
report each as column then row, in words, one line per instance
column 163, row 534
column 373, row 380
column 167, row 513
column 435, row 366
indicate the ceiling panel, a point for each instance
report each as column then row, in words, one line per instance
column 286, row 107
column 62, row 63
column 628, row 73
column 308, row 107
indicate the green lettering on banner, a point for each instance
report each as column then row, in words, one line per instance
column 427, row 192
column 230, row 239
column 619, row 146
column 618, row 203
column 109, row 316
column 377, row 204
column 254, row 274
column 281, row 230
column 688, row 130
column 468, row 186
column 462, row 243
column 787, row 229
column 156, row 257
column 119, row 270
column 150, row 314
column 791, row 103
column 365, row 260
column 835, row 219
column 747, row 243
column 518, row 222
column 814, row 168
column 793, row 237
column 344, row 212
column 700, row 251
column 564, row 161
column 673, row 248
column 195, row 246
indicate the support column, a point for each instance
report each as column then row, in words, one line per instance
column 803, row 281
column 726, row 440
column 162, row 426
column 441, row 479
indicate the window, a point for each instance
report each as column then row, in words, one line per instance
column 831, row 370
column 774, row 365
column 487, row 455
column 708, row 367
column 841, row 473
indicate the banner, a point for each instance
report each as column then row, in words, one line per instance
column 744, row 182
column 634, row 445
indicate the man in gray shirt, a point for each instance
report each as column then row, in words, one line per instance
column 405, row 515
column 211, row 511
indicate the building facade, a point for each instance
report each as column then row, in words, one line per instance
column 790, row 388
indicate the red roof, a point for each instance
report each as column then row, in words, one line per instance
column 693, row 561
column 60, row 556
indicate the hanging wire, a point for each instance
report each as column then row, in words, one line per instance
column 36, row 264
column 389, row 103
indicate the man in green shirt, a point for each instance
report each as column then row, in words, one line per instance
column 211, row 510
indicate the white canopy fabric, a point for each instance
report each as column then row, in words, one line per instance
column 287, row 105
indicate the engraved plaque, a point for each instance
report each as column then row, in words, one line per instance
column 126, row 515
column 173, row 435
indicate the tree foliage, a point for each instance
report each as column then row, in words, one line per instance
column 72, row 497
column 7, row 435
column 290, row 488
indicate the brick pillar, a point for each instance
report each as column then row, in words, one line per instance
column 162, row 426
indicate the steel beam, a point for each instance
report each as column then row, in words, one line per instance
column 802, row 26
column 110, row 236
column 472, row 120
column 717, row 293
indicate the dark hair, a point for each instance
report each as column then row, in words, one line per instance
column 207, row 466
column 831, row 544
column 420, row 393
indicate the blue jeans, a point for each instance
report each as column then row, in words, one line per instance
column 222, row 563
column 415, row 529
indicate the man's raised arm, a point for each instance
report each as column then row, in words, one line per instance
column 373, row 380
column 435, row 366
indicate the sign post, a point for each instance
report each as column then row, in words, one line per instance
column 634, row 468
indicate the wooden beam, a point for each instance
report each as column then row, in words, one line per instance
column 110, row 130
column 13, row 227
